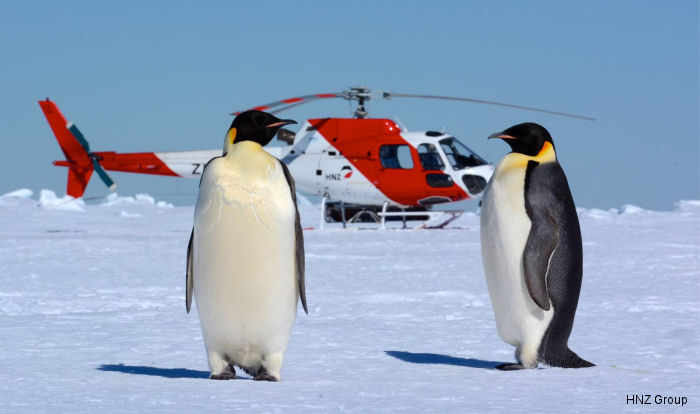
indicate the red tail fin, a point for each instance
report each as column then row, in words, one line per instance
column 77, row 181
column 77, row 159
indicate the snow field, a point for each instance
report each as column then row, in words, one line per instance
column 92, row 317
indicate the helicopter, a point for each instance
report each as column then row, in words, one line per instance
column 365, row 169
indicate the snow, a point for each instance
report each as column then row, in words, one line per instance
column 113, row 199
column 92, row 317
column 21, row 193
column 49, row 199
column 630, row 209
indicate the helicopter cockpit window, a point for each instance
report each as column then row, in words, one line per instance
column 396, row 156
column 429, row 157
column 459, row 155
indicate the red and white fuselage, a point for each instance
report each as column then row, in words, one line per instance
column 357, row 161
column 372, row 161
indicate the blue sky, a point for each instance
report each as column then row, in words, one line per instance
column 157, row 76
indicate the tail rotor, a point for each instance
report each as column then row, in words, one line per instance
column 93, row 157
column 81, row 162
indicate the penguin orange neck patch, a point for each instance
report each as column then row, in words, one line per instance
column 518, row 161
column 231, row 135
column 228, row 141
column 546, row 154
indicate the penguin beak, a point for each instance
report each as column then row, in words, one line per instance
column 501, row 135
column 281, row 123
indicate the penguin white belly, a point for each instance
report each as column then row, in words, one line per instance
column 245, row 282
column 505, row 227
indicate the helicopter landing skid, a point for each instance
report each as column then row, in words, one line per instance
column 354, row 214
column 441, row 220
column 436, row 219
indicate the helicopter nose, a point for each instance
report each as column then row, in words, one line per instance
column 475, row 183
column 475, row 179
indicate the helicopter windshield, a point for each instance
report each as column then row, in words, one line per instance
column 459, row 155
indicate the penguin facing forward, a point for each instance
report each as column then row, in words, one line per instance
column 531, row 249
column 245, row 259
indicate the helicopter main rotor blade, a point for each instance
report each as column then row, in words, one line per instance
column 284, row 108
column 389, row 95
column 296, row 101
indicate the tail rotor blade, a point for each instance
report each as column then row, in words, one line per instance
column 103, row 175
column 78, row 135
column 95, row 162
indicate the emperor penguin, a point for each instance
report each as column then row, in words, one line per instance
column 245, row 259
column 531, row 249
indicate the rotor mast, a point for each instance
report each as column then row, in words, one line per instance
column 359, row 94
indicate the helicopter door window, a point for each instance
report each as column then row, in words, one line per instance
column 396, row 156
column 439, row 180
column 430, row 158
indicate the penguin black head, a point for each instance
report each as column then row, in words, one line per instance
column 256, row 126
column 527, row 138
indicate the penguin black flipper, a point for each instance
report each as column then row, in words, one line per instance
column 542, row 240
column 544, row 232
column 299, row 240
column 541, row 243
column 189, row 279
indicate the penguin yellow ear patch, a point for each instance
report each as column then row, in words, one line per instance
column 231, row 135
column 546, row 153
column 518, row 161
column 513, row 161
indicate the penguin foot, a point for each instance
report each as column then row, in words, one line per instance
column 229, row 373
column 263, row 375
column 510, row 367
column 223, row 376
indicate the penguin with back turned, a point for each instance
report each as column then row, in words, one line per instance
column 245, row 259
column 532, row 252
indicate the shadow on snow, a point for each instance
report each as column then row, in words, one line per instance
column 427, row 358
column 414, row 358
column 156, row 372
